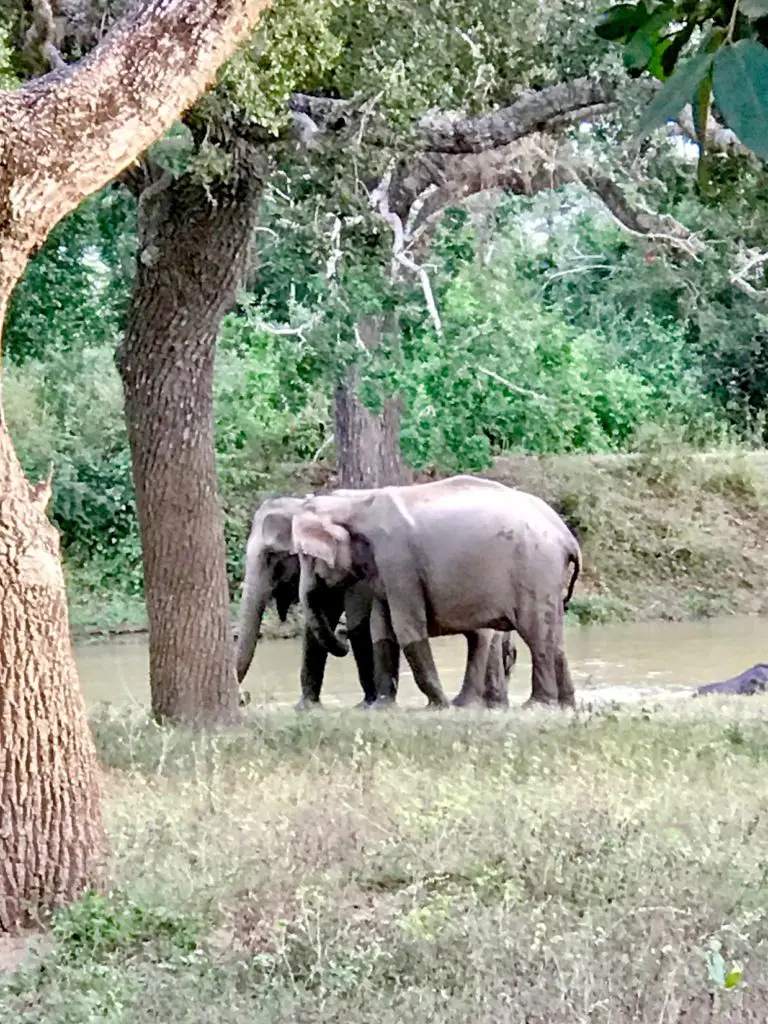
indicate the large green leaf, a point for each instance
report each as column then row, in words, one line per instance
column 638, row 51
column 620, row 21
column 740, row 85
column 675, row 93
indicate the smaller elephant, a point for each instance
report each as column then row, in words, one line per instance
column 750, row 681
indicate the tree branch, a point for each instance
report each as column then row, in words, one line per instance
column 553, row 107
column 66, row 135
column 41, row 35
column 545, row 109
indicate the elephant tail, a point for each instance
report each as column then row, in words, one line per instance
column 573, row 556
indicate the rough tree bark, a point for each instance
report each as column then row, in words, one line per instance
column 367, row 443
column 194, row 244
column 61, row 138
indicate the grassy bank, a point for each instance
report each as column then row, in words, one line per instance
column 664, row 535
column 404, row 867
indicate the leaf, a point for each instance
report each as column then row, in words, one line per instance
column 674, row 94
column 740, row 83
column 656, row 63
column 620, row 21
column 754, row 9
column 638, row 51
column 734, row 977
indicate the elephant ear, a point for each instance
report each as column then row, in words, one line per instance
column 276, row 531
column 321, row 538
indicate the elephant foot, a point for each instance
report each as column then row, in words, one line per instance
column 539, row 702
column 496, row 705
column 464, row 700
column 307, row 704
column 382, row 704
column 245, row 698
column 437, row 705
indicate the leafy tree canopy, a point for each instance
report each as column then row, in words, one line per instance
column 708, row 55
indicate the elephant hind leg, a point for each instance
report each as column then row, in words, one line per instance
column 501, row 659
column 565, row 694
column 543, row 679
column 479, row 663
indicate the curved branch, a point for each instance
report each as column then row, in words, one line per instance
column 536, row 110
column 67, row 134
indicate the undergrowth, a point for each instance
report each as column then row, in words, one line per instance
column 522, row 868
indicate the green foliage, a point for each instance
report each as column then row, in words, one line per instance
column 8, row 78
column 98, row 926
column 75, row 291
column 68, row 409
column 293, row 49
column 730, row 65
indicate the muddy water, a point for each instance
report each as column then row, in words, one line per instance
column 665, row 654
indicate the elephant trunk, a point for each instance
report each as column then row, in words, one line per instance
column 251, row 613
column 319, row 625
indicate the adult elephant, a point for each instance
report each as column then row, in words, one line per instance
column 272, row 572
column 462, row 555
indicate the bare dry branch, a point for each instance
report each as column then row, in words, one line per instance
column 738, row 277
column 380, row 200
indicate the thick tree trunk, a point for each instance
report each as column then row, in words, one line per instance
column 367, row 444
column 194, row 246
column 50, row 818
column 62, row 137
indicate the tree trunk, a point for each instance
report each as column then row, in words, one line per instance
column 367, row 444
column 194, row 246
column 62, row 137
column 50, row 817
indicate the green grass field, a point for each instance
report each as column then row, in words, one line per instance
column 533, row 868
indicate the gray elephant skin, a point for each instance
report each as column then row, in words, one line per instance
column 750, row 681
column 462, row 555
column 272, row 573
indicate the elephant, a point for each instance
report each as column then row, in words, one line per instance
column 462, row 555
column 272, row 573
column 752, row 680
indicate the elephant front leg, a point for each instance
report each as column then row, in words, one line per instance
column 314, row 657
column 419, row 656
column 386, row 655
column 479, row 662
column 362, row 651
column 501, row 660
column 313, row 661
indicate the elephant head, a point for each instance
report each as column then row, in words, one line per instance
column 331, row 554
column 272, row 573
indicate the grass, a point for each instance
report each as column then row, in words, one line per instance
column 348, row 867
